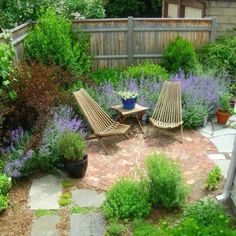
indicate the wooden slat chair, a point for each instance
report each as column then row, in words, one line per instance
column 101, row 124
column 168, row 111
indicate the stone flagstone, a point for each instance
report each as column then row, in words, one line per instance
column 217, row 156
column 45, row 192
column 224, row 143
column 91, row 224
column 45, row 226
column 87, row 198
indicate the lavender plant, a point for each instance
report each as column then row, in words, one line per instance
column 16, row 154
column 63, row 119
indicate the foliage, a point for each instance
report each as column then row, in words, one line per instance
column 51, row 41
column 200, row 96
column 5, row 184
column 126, row 199
column 111, row 75
column 122, row 8
column 65, row 199
column 3, row 202
column 63, row 118
column 82, row 210
column 220, row 54
column 213, row 178
column 6, row 68
column 205, row 217
column 224, row 103
column 71, row 145
column 80, row 9
column 165, row 183
column 39, row 88
column 115, row 229
column 17, row 155
column 127, row 94
column 180, row 54
column 43, row 212
column 207, row 212
column 68, row 183
column 146, row 70
column 17, row 12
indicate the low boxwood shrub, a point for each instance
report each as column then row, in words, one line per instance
column 180, row 54
column 126, row 199
column 165, row 183
column 52, row 41
column 146, row 70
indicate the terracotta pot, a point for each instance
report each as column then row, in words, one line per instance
column 222, row 117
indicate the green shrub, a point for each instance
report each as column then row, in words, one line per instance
column 213, row 178
column 220, row 55
column 194, row 115
column 207, row 212
column 115, row 229
column 165, row 183
column 180, row 54
column 51, row 41
column 126, row 199
column 3, row 202
column 106, row 75
column 146, row 70
column 225, row 103
column 5, row 184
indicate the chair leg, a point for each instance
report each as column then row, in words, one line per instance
column 103, row 146
column 126, row 135
column 181, row 132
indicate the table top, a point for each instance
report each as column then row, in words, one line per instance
column 138, row 108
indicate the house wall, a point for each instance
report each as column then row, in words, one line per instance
column 225, row 12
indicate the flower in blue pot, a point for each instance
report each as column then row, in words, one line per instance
column 128, row 99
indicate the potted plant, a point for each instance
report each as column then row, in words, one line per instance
column 225, row 110
column 71, row 146
column 128, row 99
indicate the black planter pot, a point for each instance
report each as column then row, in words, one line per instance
column 76, row 169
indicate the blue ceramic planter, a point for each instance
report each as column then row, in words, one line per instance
column 129, row 104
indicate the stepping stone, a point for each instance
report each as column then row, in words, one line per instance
column 224, row 131
column 91, row 224
column 45, row 226
column 224, row 166
column 224, row 143
column 87, row 198
column 45, row 192
column 218, row 156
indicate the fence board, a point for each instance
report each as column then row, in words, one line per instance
column 125, row 41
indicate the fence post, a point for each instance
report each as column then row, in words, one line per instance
column 213, row 29
column 130, row 39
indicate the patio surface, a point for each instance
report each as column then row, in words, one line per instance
column 126, row 157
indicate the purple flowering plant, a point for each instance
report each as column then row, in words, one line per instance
column 15, row 153
column 64, row 118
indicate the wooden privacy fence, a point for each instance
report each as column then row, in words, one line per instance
column 126, row 41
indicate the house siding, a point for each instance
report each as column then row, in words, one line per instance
column 225, row 12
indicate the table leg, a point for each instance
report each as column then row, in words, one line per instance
column 141, row 127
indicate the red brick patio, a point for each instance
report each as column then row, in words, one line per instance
column 127, row 156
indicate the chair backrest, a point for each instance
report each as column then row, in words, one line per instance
column 95, row 115
column 169, row 105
